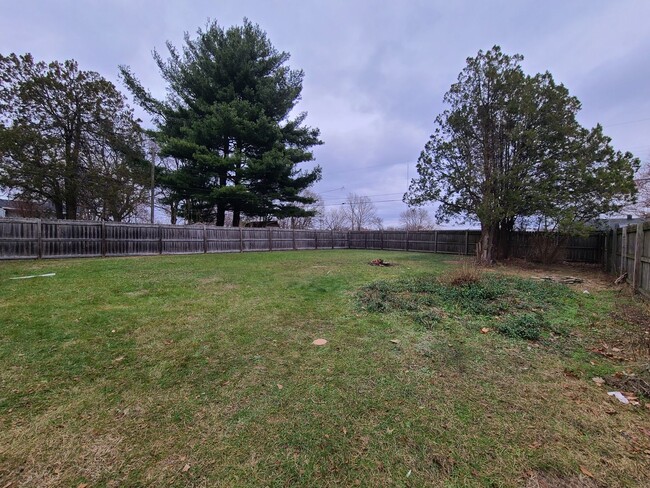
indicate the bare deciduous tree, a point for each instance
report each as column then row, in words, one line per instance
column 416, row 219
column 361, row 213
column 333, row 219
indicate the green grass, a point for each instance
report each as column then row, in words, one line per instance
column 120, row 372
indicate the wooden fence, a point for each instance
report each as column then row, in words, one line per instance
column 28, row 238
column 32, row 238
column 627, row 250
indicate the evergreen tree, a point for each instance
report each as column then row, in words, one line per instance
column 509, row 147
column 227, row 120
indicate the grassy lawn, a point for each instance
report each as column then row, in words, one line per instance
column 199, row 371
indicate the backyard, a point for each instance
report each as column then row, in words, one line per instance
column 201, row 371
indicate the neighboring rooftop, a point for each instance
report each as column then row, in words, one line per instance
column 618, row 221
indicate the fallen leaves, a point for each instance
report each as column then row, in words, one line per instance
column 395, row 341
column 280, row 386
column 186, row 468
column 586, row 472
column 598, row 380
column 570, row 374
column 485, row 330
column 611, row 353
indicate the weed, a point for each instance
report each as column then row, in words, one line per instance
column 517, row 301
column 468, row 273
column 525, row 326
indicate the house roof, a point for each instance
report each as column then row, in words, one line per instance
column 7, row 203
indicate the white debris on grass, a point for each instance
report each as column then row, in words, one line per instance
column 32, row 276
column 619, row 396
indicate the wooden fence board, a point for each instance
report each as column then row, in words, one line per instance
column 633, row 254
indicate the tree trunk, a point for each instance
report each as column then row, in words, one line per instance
column 58, row 208
column 236, row 217
column 487, row 249
column 173, row 210
column 71, row 203
column 221, row 206
column 221, row 215
column 506, row 226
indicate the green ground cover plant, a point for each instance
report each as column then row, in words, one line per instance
column 519, row 308
column 200, row 371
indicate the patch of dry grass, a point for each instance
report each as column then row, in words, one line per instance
column 467, row 272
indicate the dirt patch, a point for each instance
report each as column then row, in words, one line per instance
column 589, row 277
column 548, row 480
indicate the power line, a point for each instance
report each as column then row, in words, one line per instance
column 335, row 189
column 626, row 122
column 370, row 201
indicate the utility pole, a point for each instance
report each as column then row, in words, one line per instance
column 153, row 177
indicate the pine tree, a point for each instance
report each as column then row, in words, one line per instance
column 227, row 120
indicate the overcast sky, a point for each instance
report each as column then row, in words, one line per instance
column 375, row 71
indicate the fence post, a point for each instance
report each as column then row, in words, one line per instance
column 624, row 249
column 332, row 232
column 241, row 239
column 293, row 238
column 601, row 250
column 205, row 240
column 316, row 239
column 160, row 239
column 39, row 239
column 466, row 242
column 347, row 236
column 638, row 253
column 614, row 244
column 365, row 240
column 270, row 239
column 407, row 240
column 381, row 237
column 103, row 242
column 435, row 241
